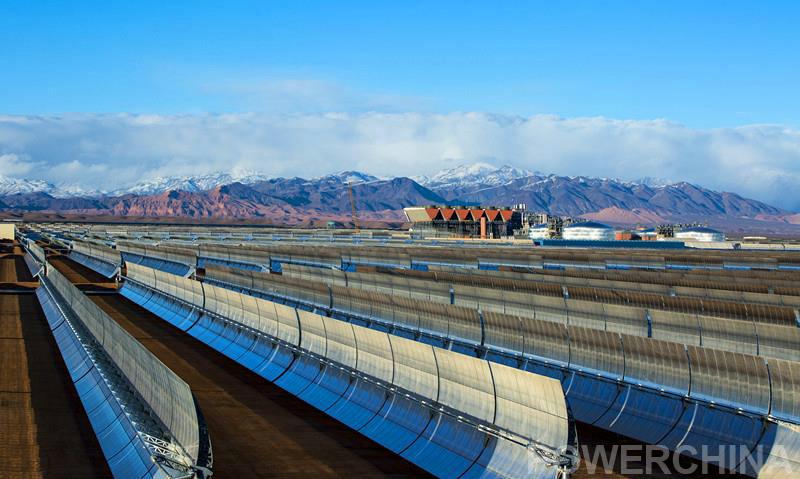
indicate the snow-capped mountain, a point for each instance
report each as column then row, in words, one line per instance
column 476, row 174
column 73, row 191
column 654, row 182
column 13, row 186
column 349, row 177
column 482, row 175
column 190, row 183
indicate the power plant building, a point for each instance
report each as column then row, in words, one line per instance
column 588, row 231
column 463, row 222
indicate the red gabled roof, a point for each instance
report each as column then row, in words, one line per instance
column 433, row 213
column 463, row 215
column 491, row 215
column 506, row 214
column 447, row 213
column 477, row 214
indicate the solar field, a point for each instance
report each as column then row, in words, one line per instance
column 252, row 353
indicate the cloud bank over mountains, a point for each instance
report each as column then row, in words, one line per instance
column 105, row 151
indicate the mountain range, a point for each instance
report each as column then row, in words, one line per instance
column 298, row 201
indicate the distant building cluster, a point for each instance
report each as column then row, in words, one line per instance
column 491, row 222
column 542, row 226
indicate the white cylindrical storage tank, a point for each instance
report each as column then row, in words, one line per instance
column 588, row 230
column 700, row 233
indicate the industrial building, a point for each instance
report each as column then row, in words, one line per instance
column 7, row 231
column 555, row 224
column 540, row 231
column 463, row 221
column 626, row 235
column 589, row 230
column 647, row 234
column 700, row 233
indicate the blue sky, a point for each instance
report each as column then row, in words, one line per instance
column 103, row 94
column 704, row 64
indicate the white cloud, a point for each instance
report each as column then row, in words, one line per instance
column 108, row 151
column 15, row 166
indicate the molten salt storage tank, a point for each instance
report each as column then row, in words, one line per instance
column 700, row 233
column 588, row 230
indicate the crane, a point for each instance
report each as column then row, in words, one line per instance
column 353, row 212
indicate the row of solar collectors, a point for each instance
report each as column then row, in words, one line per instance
column 254, row 237
column 697, row 278
column 731, row 293
column 747, row 287
column 766, row 308
column 419, row 315
column 184, row 231
column 488, row 255
column 492, row 258
column 453, row 415
column 151, row 232
column 144, row 416
column 486, row 258
column 768, row 337
column 758, row 329
column 655, row 391
column 166, row 258
column 761, row 309
column 181, row 260
column 246, row 256
column 250, row 238
column 200, row 233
